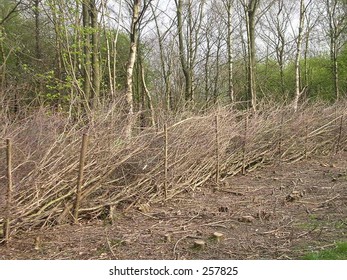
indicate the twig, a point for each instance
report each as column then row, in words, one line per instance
column 192, row 218
column 329, row 200
column 218, row 222
column 178, row 241
column 308, row 232
column 149, row 216
column 277, row 229
column 109, row 244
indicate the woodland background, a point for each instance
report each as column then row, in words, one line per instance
column 156, row 56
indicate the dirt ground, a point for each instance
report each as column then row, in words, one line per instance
column 278, row 212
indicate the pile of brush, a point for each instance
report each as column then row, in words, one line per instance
column 154, row 165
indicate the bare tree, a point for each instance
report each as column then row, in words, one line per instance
column 250, row 9
column 337, row 21
column 207, row 67
column 188, row 43
column 86, row 70
column 312, row 18
column 96, row 79
column 228, row 5
column 274, row 33
column 164, row 63
column 36, row 10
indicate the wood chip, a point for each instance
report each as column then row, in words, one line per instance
column 199, row 243
column 167, row 237
column 145, row 208
column 218, row 236
column 37, row 243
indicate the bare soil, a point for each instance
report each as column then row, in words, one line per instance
column 277, row 212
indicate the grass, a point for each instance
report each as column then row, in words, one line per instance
column 317, row 222
column 337, row 253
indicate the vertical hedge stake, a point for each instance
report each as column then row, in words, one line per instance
column 80, row 176
column 9, row 191
column 280, row 138
column 244, row 146
column 306, row 140
column 339, row 136
column 217, row 148
column 165, row 159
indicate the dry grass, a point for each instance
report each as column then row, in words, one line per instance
column 122, row 173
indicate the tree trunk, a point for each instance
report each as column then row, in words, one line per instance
column 250, row 18
column 190, row 45
column 334, row 65
column 95, row 55
column 216, row 77
column 335, row 30
column 229, row 8
column 165, row 69
column 207, row 69
column 86, row 70
column 57, row 22
column 115, row 46
column 108, row 36
column 3, row 65
column 298, row 56
column 182, row 53
column 147, row 96
column 37, row 30
column 130, row 67
column 280, row 49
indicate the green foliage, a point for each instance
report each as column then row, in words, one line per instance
column 317, row 76
column 320, row 80
column 123, row 45
column 54, row 90
column 342, row 61
column 18, row 41
column 337, row 253
column 120, row 57
column 269, row 81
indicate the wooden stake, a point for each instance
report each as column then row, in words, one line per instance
column 9, row 190
column 80, row 176
column 306, row 139
column 280, row 139
column 217, row 148
column 165, row 160
column 244, row 146
column 339, row 136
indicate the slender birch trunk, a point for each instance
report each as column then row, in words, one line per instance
column 130, row 67
column 298, row 91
